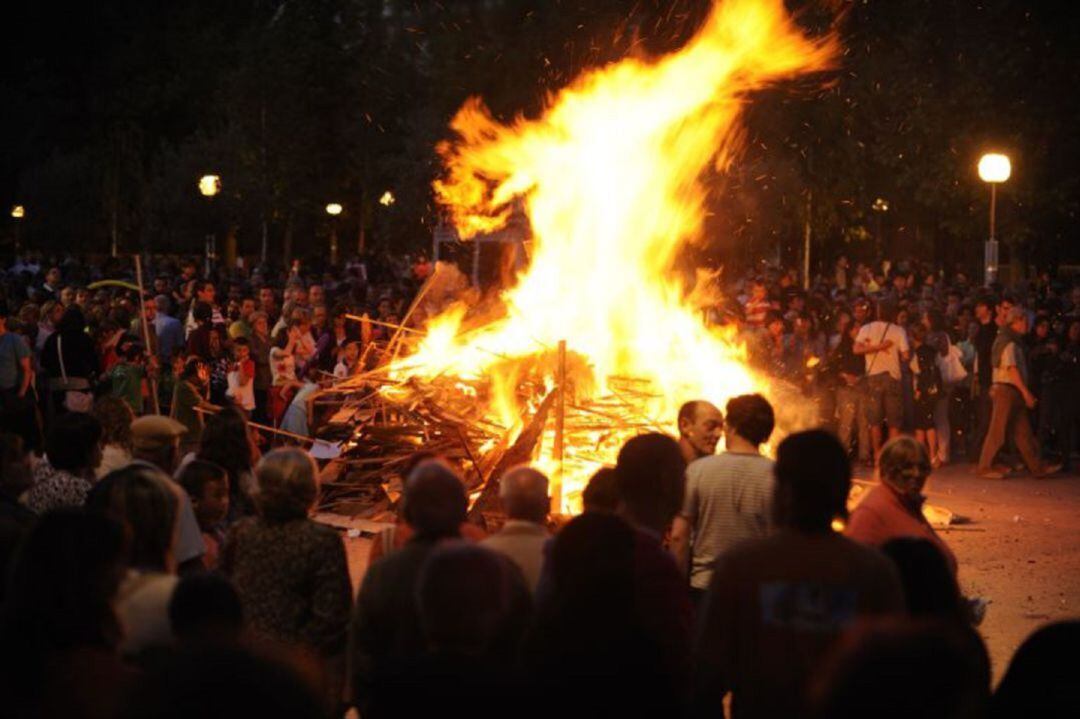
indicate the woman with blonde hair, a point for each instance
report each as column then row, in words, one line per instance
column 893, row 508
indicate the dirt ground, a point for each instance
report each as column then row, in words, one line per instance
column 1020, row 551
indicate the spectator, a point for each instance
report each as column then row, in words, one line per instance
column 1010, row 395
column 241, row 376
column 385, row 625
column 601, row 494
column 241, row 328
column 851, row 399
column 701, row 425
column 594, row 639
column 71, row 362
column 229, row 443
column 1041, row 677
column 252, row 685
column 474, row 608
column 929, row 388
column 900, row 670
column 16, row 476
column 128, row 374
column 204, row 295
column 168, row 329
column 649, row 478
column 207, row 485
column 217, row 363
column 349, row 362
column 17, row 412
column 985, row 332
column 260, row 355
column 930, row 588
column 140, row 498
column 728, row 496
column 155, row 440
column 189, row 397
column 59, row 629
column 893, row 508
column 290, row 572
column 524, row 494
column 777, row 605
column 205, row 609
column 884, row 346
column 115, row 416
column 66, row 474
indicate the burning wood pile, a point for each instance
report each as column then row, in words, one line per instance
column 383, row 421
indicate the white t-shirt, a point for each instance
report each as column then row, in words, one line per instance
column 876, row 333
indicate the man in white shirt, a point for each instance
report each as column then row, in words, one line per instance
column 729, row 495
column 524, row 494
column 884, row 345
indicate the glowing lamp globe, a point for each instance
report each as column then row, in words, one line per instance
column 333, row 209
column 994, row 167
column 209, row 185
column 18, row 212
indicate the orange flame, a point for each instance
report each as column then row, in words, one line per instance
column 611, row 180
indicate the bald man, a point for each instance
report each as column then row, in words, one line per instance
column 701, row 425
column 524, row 494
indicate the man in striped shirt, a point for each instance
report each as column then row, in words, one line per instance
column 729, row 495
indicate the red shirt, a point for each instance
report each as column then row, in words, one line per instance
column 882, row 515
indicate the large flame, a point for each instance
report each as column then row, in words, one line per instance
column 611, row 180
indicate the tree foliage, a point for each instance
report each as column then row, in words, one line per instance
column 113, row 112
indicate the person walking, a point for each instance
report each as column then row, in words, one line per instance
column 1010, row 399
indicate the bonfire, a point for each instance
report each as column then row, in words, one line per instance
column 598, row 339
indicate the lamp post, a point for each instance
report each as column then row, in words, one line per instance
column 209, row 187
column 333, row 209
column 880, row 207
column 18, row 212
column 994, row 168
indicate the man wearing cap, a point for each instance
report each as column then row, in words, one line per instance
column 155, row 440
column 1011, row 399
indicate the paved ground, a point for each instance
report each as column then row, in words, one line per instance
column 1021, row 551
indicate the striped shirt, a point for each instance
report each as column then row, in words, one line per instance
column 728, row 500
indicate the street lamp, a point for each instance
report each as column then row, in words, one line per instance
column 994, row 168
column 209, row 186
column 333, row 209
column 880, row 207
column 18, row 212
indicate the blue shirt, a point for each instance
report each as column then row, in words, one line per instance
column 170, row 335
column 12, row 351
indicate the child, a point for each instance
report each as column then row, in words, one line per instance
column 283, row 373
column 349, row 361
column 127, row 374
column 300, row 411
column 208, row 486
column 242, row 375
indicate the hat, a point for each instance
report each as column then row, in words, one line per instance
column 154, row 431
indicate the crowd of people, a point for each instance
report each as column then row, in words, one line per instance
column 161, row 560
column 888, row 350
